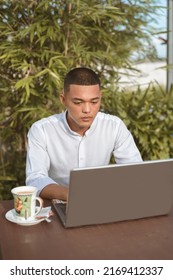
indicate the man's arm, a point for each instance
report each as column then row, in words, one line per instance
column 125, row 150
column 54, row 191
column 38, row 165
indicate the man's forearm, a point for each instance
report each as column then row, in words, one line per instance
column 54, row 191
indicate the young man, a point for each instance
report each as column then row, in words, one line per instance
column 79, row 137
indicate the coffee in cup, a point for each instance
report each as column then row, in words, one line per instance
column 25, row 202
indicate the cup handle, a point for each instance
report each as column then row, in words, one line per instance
column 40, row 206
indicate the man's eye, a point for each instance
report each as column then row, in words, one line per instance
column 77, row 102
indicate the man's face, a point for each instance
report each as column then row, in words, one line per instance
column 83, row 104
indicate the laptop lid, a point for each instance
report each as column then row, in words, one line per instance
column 114, row 193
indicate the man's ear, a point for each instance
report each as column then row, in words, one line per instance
column 62, row 98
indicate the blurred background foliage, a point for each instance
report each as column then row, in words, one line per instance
column 40, row 41
column 148, row 113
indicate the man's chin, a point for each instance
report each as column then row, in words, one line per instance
column 84, row 125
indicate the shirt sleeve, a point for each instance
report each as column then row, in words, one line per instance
column 125, row 149
column 37, row 161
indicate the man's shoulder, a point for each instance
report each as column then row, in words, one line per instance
column 47, row 120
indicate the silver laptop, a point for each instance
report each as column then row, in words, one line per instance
column 117, row 192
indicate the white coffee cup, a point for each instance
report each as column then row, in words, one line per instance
column 25, row 198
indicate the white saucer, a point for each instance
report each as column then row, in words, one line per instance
column 11, row 216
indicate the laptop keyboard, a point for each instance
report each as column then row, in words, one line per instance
column 62, row 206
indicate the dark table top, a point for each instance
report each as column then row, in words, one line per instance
column 144, row 239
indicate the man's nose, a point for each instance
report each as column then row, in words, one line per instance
column 86, row 108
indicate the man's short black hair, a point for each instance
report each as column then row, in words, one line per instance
column 81, row 76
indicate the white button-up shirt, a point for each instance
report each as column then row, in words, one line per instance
column 54, row 149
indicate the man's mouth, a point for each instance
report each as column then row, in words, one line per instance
column 86, row 119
